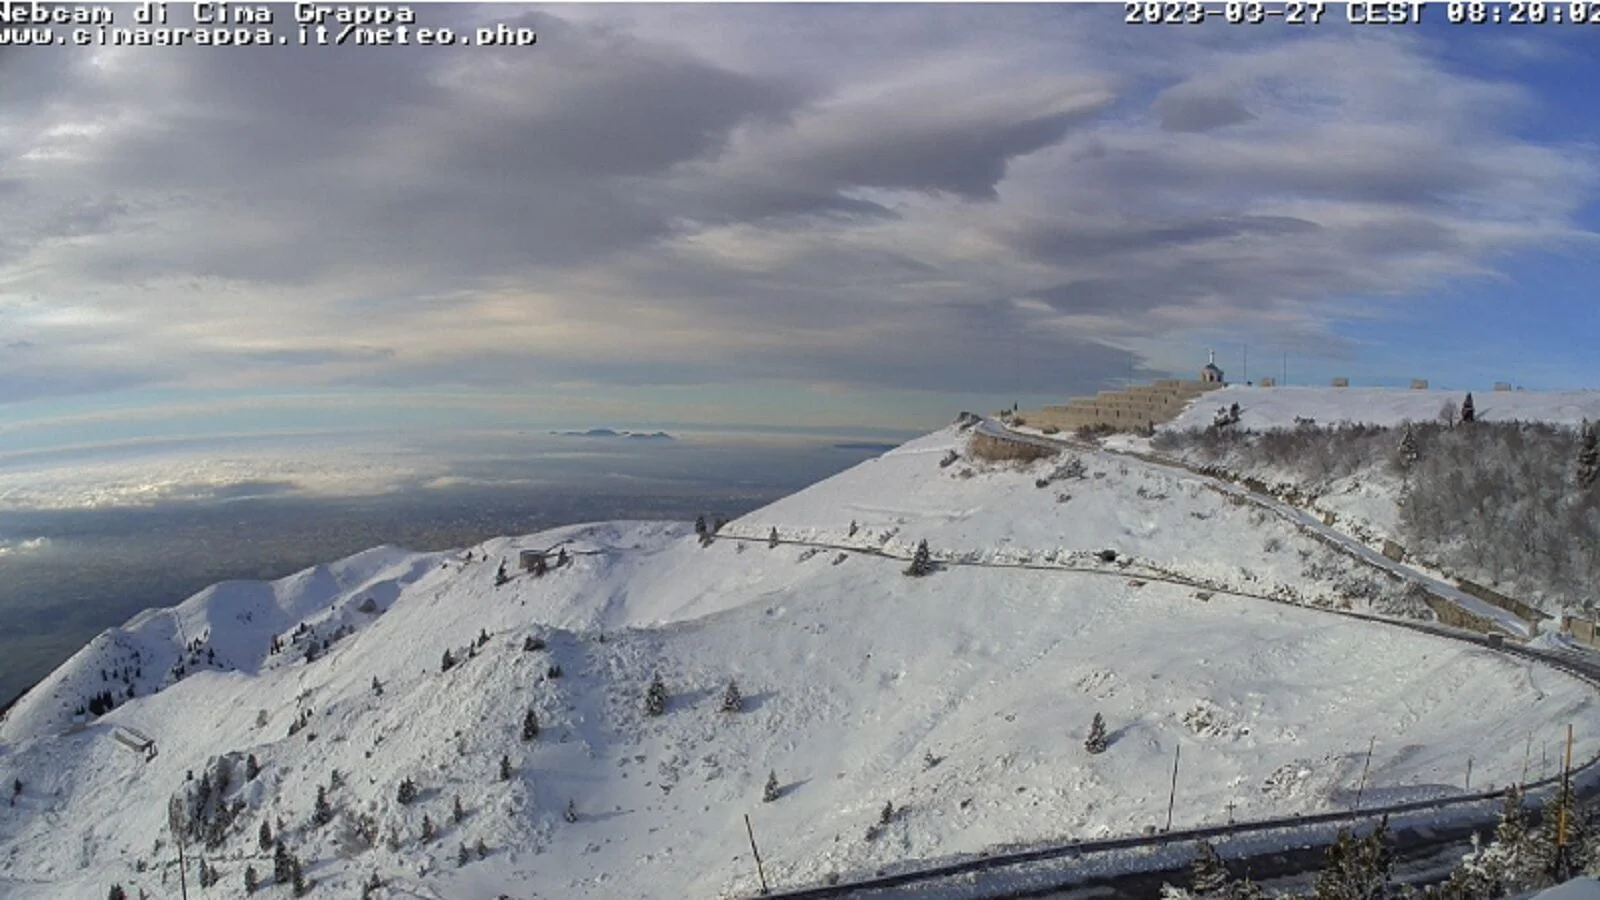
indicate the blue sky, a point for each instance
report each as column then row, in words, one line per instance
column 831, row 217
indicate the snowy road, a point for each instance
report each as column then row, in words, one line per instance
column 1425, row 831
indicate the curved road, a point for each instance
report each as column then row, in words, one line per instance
column 1425, row 833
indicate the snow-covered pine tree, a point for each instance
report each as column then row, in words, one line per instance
column 370, row 888
column 732, row 700
column 462, row 856
column 770, row 792
column 117, row 893
column 282, row 864
column 853, row 527
column 500, row 576
column 921, row 560
column 458, row 812
column 772, row 539
column 1589, row 455
column 700, row 525
column 322, row 812
column 887, row 813
column 571, row 815
column 1207, row 876
column 297, row 877
column 505, row 767
column 407, row 792
column 251, row 879
column 448, row 662
column 530, row 725
column 251, row 767
column 1468, row 414
column 265, row 836
column 655, row 699
column 1356, row 868
column 481, row 849
column 1408, row 449
column 1096, row 742
column 428, row 829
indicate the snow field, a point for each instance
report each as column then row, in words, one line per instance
column 852, row 673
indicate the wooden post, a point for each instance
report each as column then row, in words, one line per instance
column 1566, row 786
column 1527, row 753
column 1361, row 788
column 760, row 873
column 1469, row 774
column 1172, row 798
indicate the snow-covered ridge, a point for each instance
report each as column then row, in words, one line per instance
column 961, row 698
column 1278, row 407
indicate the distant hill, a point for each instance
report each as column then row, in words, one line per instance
column 609, row 433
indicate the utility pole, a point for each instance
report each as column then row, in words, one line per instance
column 1527, row 753
column 1469, row 774
column 1173, row 797
column 1361, row 788
column 1231, row 805
column 1566, row 798
column 760, row 873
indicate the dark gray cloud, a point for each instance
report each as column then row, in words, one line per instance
column 950, row 198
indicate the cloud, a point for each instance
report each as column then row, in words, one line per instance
column 868, row 198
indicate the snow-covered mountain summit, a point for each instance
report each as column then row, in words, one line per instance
column 960, row 699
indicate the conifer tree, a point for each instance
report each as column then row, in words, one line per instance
column 297, row 878
column 322, row 813
column 1096, row 742
column 655, row 699
column 700, row 525
column 1589, row 455
column 1408, row 449
column 457, row 811
column 462, row 856
column 921, row 561
column 447, row 663
column 772, row 539
column 252, row 768
column 282, row 868
column 530, row 725
column 571, row 815
column 1468, row 414
column 407, row 792
column 1208, row 876
column 770, row 792
column 117, row 893
column 481, row 849
column 428, row 829
column 732, row 700
column 887, row 813
column 265, row 836
column 505, row 767
column 251, row 880
column 853, row 528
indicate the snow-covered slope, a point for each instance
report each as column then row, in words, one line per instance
column 1278, row 407
column 962, row 698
